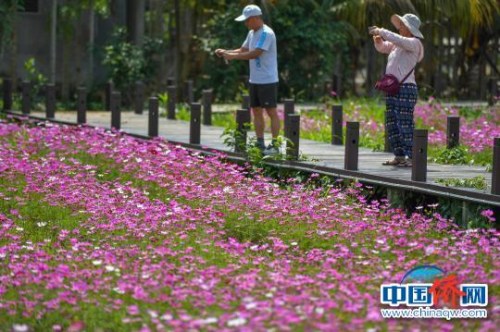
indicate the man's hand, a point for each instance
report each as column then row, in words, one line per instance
column 219, row 52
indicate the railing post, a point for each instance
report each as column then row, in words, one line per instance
column 245, row 103
column 419, row 160
column 172, row 100
column 242, row 123
column 153, row 117
column 139, row 97
column 7, row 94
column 337, row 119
column 207, row 107
column 26, row 97
column 288, row 108
column 495, row 175
column 453, row 131
column 195, row 124
column 115, row 110
column 109, row 90
column 50, row 101
column 351, row 146
column 293, row 136
column 81, row 106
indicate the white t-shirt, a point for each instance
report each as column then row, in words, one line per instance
column 264, row 69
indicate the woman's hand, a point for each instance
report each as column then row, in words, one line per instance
column 378, row 40
column 374, row 30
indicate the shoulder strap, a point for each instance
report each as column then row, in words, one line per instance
column 404, row 79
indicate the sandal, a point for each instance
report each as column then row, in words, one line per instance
column 394, row 162
column 406, row 163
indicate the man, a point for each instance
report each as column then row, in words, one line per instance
column 260, row 49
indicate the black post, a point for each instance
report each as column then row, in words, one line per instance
column 153, row 117
column 453, row 131
column 139, row 97
column 115, row 110
column 189, row 92
column 495, row 175
column 419, row 160
column 171, row 90
column 292, row 135
column 195, row 124
column 207, row 107
column 109, row 90
column 82, row 106
column 245, row 103
column 170, row 81
column 26, row 97
column 50, row 101
column 242, row 123
column 337, row 119
column 289, row 108
column 351, row 146
column 7, row 94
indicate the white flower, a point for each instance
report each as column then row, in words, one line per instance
column 20, row 327
column 109, row 268
column 97, row 262
column 210, row 320
column 237, row 322
column 319, row 311
column 41, row 224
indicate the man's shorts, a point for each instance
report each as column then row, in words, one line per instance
column 264, row 95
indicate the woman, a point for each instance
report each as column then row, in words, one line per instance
column 405, row 51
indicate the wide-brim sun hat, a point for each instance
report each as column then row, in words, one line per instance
column 249, row 11
column 411, row 21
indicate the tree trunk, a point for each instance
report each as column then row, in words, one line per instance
column 53, row 42
column 90, row 70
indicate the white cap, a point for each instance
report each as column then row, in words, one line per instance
column 249, row 11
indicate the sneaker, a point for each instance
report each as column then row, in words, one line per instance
column 261, row 146
column 271, row 150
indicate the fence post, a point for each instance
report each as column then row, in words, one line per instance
column 109, row 90
column 337, row 119
column 50, row 101
column 170, row 81
column 288, row 108
column 245, row 103
column 26, row 97
column 242, row 123
column 115, row 110
column 195, row 123
column 139, row 97
column 81, row 110
column 495, row 175
column 7, row 94
column 453, row 131
column 153, row 117
column 207, row 107
column 172, row 98
column 293, row 136
column 419, row 160
column 351, row 146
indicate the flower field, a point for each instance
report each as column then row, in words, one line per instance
column 104, row 232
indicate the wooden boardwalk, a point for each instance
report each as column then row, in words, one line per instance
column 322, row 158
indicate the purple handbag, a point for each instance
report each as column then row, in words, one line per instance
column 390, row 84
